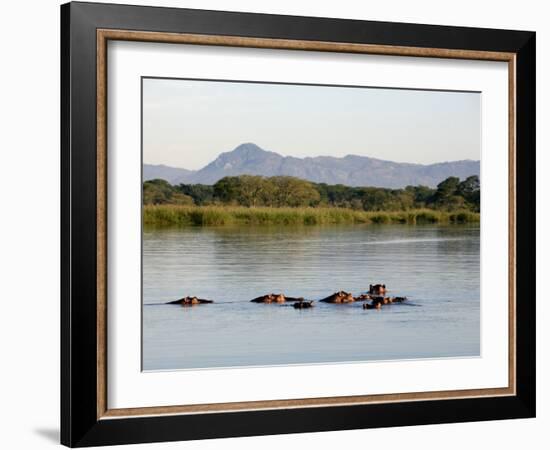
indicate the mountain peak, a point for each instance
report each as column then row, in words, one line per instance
column 247, row 148
column 248, row 145
column 244, row 154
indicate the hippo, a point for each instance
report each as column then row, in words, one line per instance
column 303, row 304
column 377, row 289
column 379, row 299
column 398, row 299
column 189, row 301
column 268, row 298
column 363, row 297
column 275, row 298
column 339, row 297
column 372, row 305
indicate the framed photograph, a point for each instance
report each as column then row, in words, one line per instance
column 277, row 224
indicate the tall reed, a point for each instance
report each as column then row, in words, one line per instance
column 176, row 215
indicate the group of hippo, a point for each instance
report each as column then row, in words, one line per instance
column 376, row 294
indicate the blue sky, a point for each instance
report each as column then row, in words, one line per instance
column 189, row 123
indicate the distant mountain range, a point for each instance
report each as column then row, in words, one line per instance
column 351, row 170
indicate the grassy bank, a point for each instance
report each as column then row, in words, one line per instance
column 174, row 215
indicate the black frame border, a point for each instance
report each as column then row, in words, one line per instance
column 79, row 423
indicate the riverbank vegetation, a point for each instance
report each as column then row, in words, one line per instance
column 182, row 215
column 256, row 200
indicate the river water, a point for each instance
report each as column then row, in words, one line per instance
column 436, row 267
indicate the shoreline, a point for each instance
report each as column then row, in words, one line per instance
column 196, row 216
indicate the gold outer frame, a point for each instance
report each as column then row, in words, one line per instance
column 104, row 35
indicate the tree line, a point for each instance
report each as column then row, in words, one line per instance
column 284, row 191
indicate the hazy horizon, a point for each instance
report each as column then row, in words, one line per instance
column 189, row 123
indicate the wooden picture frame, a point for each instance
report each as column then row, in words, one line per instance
column 86, row 418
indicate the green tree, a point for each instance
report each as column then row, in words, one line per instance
column 294, row 192
column 423, row 195
column 447, row 187
column 468, row 186
column 445, row 190
column 406, row 199
column 250, row 190
column 469, row 189
column 226, row 190
column 158, row 192
column 201, row 194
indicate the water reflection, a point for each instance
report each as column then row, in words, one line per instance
column 436, row 266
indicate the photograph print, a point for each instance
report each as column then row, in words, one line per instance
column 289, row 224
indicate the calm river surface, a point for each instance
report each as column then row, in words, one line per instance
column 436, row 267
